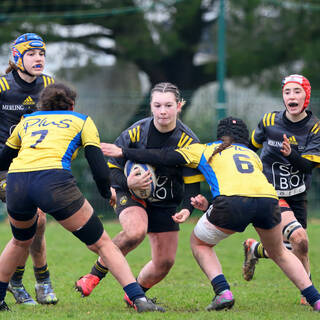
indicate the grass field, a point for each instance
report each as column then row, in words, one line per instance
column 184, row 293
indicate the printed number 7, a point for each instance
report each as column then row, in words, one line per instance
column 42, row 133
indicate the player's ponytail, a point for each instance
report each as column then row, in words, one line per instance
column 226, row 142
column 11, row 67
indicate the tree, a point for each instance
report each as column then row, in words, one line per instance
column 264, row 38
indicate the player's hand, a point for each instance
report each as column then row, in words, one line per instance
column 111, row 150
column 113, row 198
column 181, row 216
column 286, row 147
column 136, row 180
column 200, row 202
column 3, row 185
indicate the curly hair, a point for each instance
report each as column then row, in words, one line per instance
column 57, row 96
column 231, row 130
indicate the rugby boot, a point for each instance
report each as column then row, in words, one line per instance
column 4, row 306
column 146, row 305
column 250, row 260
column 45, row 293
column 86, row 284
column 20, row 293
column 223, row 300
column 316, row 306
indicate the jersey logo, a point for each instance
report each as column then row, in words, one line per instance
column 184, row 141
column 315, row 128
column 134, row 134
column 293, row 140
column 28, row 100
column 268, row 119
column 47, row 80
column 4, row 84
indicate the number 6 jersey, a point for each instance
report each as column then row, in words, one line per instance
column 304, row 137
column 236, row 171
column 50, row 140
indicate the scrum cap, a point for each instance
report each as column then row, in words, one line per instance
column 235, row 128
column 24, row 43
column 304, row 83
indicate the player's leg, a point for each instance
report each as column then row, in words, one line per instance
column 289, row 263
column 163, row 237
column 134, row 221
column 15, row 285
column 293, row 233
column 203, row 238
column 254, row 250
column 23, row 233
column 43, row 288
column 163, row 252
column 89, row 229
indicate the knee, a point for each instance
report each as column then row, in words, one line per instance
column 135, row 237
column 41, row 225
column 299, row 241
column 22, row 243
column 165, row 264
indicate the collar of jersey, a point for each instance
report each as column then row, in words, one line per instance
column 37, row 113
column 233, row 144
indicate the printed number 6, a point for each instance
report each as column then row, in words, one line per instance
column 42, row 133
column 243, row 166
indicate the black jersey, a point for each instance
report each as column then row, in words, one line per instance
column 17, row 98
column 304, row 137
column 170, row 180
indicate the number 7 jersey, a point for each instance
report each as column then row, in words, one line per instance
column 236, row 171
column 50, row 140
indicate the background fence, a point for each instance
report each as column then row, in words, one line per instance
column 113, row 110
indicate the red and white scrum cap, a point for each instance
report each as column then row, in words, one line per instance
column 304, row 83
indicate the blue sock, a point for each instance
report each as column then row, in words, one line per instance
column 134, row 291
column 219, row 284
column 3, row 289
column 312, row 295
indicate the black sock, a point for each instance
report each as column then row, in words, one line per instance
column 99, row 270
column 311, row 293
column 259, row 251
column 18, row 274
column 219, row 284
column 3, row 289
column 144, row 288
column 134, row 291
column 42, row 274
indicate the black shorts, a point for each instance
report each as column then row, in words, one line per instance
column 235, row 213
column 159, row 218
column 53, row 191
column 298, row 204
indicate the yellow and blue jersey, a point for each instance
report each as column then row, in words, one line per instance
column 236, row 171
column 50, row 140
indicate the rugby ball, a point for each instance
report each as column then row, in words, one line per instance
column 141, row 193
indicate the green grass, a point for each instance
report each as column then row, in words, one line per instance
column 185, row 292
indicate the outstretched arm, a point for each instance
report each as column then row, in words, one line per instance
column 99, row 169
column 151, row 156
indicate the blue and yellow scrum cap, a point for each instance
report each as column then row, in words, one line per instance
column 24, row 43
